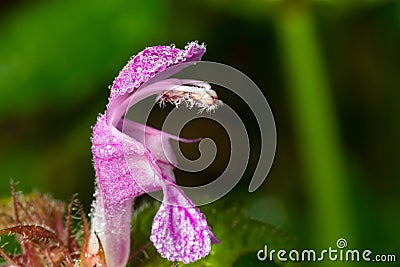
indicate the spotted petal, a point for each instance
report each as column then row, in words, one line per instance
column 180, row 231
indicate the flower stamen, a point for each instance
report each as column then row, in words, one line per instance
column 197, row 94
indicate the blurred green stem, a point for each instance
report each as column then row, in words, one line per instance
column 316, row 129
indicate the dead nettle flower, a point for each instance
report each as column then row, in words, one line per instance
column 135, row 162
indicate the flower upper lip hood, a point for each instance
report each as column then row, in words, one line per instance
column 137, row 161
column 144, row 66
column 149, row 62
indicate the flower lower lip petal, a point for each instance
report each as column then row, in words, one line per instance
column 180, row 231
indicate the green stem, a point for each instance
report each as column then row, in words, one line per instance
column 316, row 129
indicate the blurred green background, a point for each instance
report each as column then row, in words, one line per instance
column 329, row 69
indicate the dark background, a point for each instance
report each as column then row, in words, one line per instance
column 329, row 69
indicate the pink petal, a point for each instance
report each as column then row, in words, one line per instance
column 112, row 153
column 180, row 231
column 119, row 166
column 112, row 225
column 158, row 143
column 149, row 62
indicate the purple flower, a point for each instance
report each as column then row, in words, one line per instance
column 138, row 160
